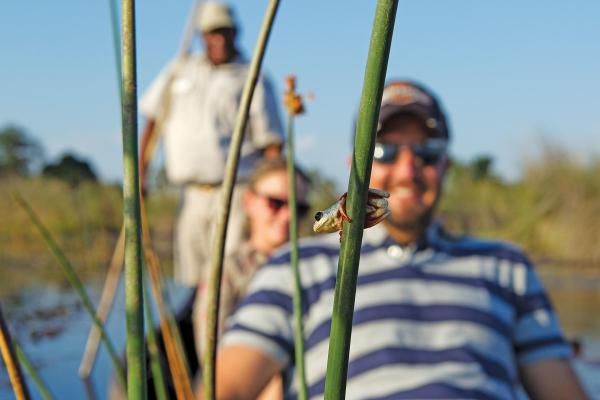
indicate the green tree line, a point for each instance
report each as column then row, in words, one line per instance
column 22, row 155
column 552, row 211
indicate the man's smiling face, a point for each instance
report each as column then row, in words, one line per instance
column 414, row 182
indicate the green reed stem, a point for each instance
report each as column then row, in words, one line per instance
column 136, row 365
column 216, row 273
column 298, row 321
column 7, row 349
column 37, row 379
column 364, row 143
column 114, row 271
column 158, row 376
column 116, row 36
column 74, row 281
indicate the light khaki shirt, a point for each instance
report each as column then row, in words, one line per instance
column 203, row 101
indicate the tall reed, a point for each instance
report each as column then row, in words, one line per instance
column 116, row 36
column 364, row 143
column 158, row 376
column 114, row 272
column 294, row 105
column 75, row 283
column 106, row 301
column 136, row 365
column 216, row 272
column 35, row 377
column 176, row 357
column 10, row 360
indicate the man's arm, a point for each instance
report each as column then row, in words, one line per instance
column 266, row 129
column 541, row 351
column 551, row 379
column 242, row 372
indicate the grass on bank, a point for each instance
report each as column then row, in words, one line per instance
column 553, row 212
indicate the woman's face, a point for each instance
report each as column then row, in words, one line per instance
column 268, row 211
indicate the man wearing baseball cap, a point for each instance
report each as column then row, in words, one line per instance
column 435, row 316
column 194, row 104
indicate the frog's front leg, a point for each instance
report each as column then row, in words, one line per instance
column 332, row 218
column 377, row 207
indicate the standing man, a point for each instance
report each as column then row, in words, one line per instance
column 195, row 101
column 436, row 316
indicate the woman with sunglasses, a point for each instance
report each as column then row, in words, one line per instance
column 266, row 206
column 265, row 203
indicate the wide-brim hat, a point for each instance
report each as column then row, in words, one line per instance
column 213, row 16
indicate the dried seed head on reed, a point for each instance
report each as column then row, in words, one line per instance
column 292, row 100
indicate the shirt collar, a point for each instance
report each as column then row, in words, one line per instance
column 239, row 59
column 378, row 236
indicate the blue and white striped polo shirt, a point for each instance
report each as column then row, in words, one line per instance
column 451, row 318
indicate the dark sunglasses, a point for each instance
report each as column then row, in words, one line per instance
column 276, row 204
column 429, row 152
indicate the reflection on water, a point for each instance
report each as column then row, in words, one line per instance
column 35, row 314
column 52, row 329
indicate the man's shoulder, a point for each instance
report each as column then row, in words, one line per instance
column 466, row 245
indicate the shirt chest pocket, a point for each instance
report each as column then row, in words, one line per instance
column 181, row 86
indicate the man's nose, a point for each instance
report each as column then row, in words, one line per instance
column 218, row 39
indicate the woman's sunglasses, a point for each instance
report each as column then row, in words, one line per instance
column 429, row 152
column 276, row 204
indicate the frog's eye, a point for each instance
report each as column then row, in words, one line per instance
column 318, row 216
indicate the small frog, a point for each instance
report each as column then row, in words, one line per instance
column 332, row 218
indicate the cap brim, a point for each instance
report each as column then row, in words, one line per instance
column 389, row 110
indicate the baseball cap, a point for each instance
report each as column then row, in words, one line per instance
column 402, row 96
column 213, row 16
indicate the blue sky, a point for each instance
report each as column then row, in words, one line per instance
column 508, row 72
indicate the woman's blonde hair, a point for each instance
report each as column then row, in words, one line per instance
column 268, row 165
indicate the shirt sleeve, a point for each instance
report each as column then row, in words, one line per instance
column 265, row 122
column 152, row 98
column 263, row 319
column 537, row 334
